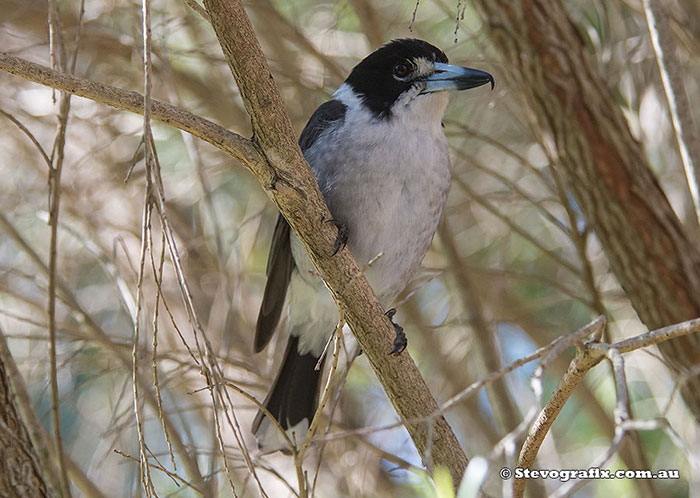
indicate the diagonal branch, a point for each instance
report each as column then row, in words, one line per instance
column 293, row 188
column 127, row 100
column 679, row 106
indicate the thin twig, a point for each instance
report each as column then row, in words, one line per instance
column 650, row 338
column 29, row 135
column 327, row 389
column 145, row 471
column 413, row 15
column 97, row 334
column 549, row 352
column 158, row 277
column 679, row 106
column 197, row 7
column 55, row 170
column 175, row 477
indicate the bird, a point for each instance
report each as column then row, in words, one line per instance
column 380, row 156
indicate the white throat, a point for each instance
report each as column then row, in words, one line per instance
column 410, row 112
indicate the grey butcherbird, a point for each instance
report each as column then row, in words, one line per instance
column 380, row 157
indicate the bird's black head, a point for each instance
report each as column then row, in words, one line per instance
column 382, row 77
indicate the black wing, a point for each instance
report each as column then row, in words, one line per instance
column 325, row 115
column 280, row 262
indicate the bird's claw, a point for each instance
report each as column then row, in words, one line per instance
column 341, row 239
column 400, row 341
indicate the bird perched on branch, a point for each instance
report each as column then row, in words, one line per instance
column 380, row 156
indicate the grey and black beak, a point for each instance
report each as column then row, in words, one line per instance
column 449, row 77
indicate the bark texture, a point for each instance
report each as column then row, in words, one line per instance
column 20, row 473
column 605, row 167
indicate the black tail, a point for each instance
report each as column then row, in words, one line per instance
column 294, row 394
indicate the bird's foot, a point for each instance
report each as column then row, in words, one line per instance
column 400, row 341
column 341, row 239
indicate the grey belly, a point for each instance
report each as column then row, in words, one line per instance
column 390, row 192
column 388, row 224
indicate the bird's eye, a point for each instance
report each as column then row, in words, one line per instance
column 401, row 70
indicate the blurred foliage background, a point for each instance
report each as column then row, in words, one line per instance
column 513, row 267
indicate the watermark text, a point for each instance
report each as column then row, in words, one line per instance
column 564, row 475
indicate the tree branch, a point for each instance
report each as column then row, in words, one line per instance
column 293, row 188
column 127, row 100
column 671, row 71
column 588, row 356
column 26, row 466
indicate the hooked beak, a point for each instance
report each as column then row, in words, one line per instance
column 449, row 77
